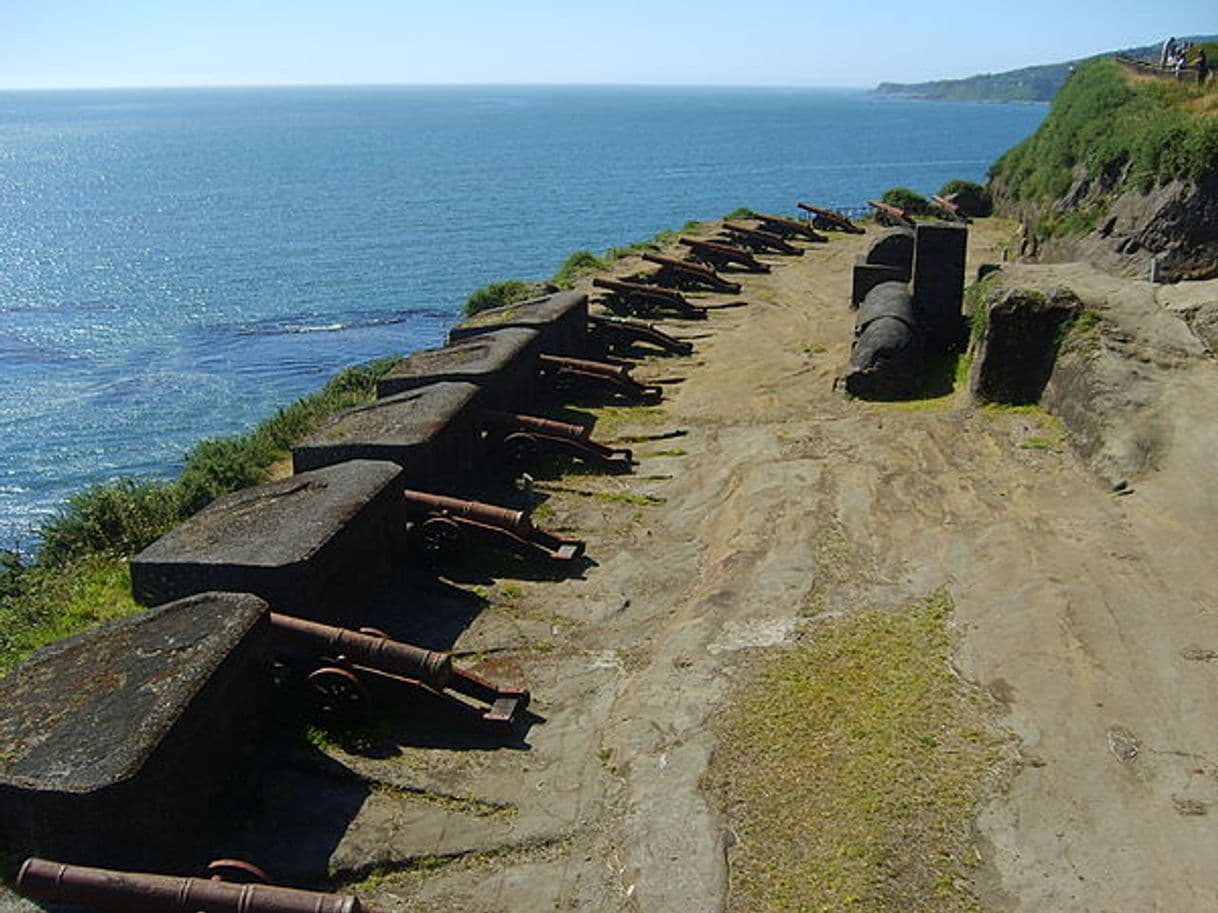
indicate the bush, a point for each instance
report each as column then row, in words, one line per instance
column 742, row 213
column 909, row 200
column 114, row 519
column 497, row 294
column 973, row 199
column 576, row 265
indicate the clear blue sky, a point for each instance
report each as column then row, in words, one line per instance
column 77, row 43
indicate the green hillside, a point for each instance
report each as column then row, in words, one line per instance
column 1029, row 84
column 1116, row 131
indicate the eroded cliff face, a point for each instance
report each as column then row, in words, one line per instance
column 1175, row 224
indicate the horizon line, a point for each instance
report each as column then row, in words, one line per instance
column 436, row 85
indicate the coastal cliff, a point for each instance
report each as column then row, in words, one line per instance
column 1122, row 173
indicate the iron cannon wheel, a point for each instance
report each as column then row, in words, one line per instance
column 439, row 537
column 521, row 448
column 339, row 692
column 236, row 871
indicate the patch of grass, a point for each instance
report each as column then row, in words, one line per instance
column 52, row 603
column 499, row 294
column 851, row 767
column 510, row 590
column 814, row 348
column 742, row 212
column 1036, row 443
column 577, row 265
column 671, row 452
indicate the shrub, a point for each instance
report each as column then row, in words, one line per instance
column 909, row 200
column 973, row 199
column 742, row 213
column 576, row 265
column 497, row 294
column 114, row 519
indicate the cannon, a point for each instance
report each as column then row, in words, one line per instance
column 439, row 526
column 720, row 255
column 349, row 665
column 137, row 892
column 683, row 274
column 830, row 219
column 758, row 240
column 892, row 216
column 519, row 439
column 563, row 373
column 638, row 298
column 886, row 357
column 788, row 228
column 613, row 334
column 949, row 209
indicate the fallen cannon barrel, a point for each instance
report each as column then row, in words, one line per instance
column 138, row 892
column 436, row 669
column 886, row 358
column 477, row 511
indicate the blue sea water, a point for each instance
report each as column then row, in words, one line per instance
column 176, row 264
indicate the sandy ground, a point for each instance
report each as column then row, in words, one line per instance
column 763, row 498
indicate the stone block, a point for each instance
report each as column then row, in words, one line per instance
column 893, row 247
column 561, row 320
column 114, row 743
column 938, row 284
column 868, row 275
column 432, row 432
column 295, row 542
column 502, row 362
column 1016, row 348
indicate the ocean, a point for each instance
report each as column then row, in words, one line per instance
column 176, row 264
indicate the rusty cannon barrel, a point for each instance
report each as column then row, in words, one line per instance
column 517, row 521
column 781, row 225
column 511, row 421
column 382, row 653
column 137, row 892
column 831, row 218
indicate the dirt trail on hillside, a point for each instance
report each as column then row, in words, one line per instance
column 763, row 499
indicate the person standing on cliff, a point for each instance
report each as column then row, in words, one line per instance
column 1203, row 67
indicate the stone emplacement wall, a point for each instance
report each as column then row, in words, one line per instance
column 114, row 742
column 432, row 432
column 938, row 284
column 502, row 362
column 560, row 319
column 291, row 542
column 1016, row 349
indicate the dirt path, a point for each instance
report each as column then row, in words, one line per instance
column 765, row 498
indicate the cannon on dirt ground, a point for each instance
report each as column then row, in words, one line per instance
column 615, row 335
column 684, row 274
column 520, row 439
column 950, row 210
column 760, row 241
column 639, row 298
column 138, row 892
column 565, row 374
column 886, row 357
column 347, row 668
column 892, row 216
column 788, row 228
column 440, row 526
column 720, row 255
column 831, row 219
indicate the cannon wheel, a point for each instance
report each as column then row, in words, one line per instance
column 236, row 871
column 520, row 448
column 338, row 692
column 439, row 537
